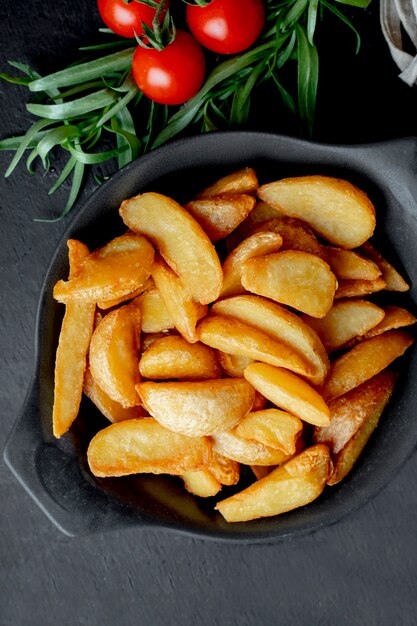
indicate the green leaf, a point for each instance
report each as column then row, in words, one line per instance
column 26, row 142
column 15, row 79
column 64, row 174
column 75, row 190
column 55, row 137
column 362, row 4
column 74, row 108
column 125, row 139
column 85, row 71
column 344, row 19
column 312, row 20
column 121, row 104
column 307, row 79
column 13, row 143
column 293, row 15
column 92, row 158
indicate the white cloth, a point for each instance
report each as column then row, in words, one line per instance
column 395, row 14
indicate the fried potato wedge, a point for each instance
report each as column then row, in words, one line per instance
column 219, row 215
column 260, row 213
column 111, row 409
column 395, row 317
column 365, row 361
column 296, row 235
column 144, row 446
column 180, row 240
column 246, row 451
column 198, row 408
column 350, row 411
column 155, row 316
column 225, row 470
column 345, row 320
column 334, row 208
column 201, row 483
column 242, row 181
column 394, row 281
column 260, row 402
column 181, row 307
column 173, row 357
column 349, row 265
column 289, row 392
column 345, row 458
column 114, row 354
column 259, row 244
column 113, row 271
column 109, row 304
column 358, row 287
column 233, row 365
column 71, row 355
column 272, row 427
column 234, row 337
column 296, row 483
column 298, row 279
column 281, row 325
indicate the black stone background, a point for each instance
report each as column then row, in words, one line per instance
column 361, row 570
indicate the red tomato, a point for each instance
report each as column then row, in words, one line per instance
column 125, row 19
column 227, row 26
column 173, row 75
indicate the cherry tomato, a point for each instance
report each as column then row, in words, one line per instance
column 227, row 26
column 173, row 75
column 125, row 19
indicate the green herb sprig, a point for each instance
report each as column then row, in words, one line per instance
column 97, row 101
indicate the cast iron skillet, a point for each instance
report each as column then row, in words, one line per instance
column 55, row 473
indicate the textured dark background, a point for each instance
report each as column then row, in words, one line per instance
column 360, row 571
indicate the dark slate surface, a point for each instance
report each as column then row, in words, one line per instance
column 359, row 571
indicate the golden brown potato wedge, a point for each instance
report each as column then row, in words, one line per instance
column 71, row 355
column 155, row 316
column 182, row 309
column 272, row 427
column 345, row 320
column 242, row 181
column 365, row 361
column 344, row 459
column 281, row 325
column 114, row 354
column 111, row 409
column 289, row 392
column 395, row 317
column 201, row 483
column 111, row 272
column 226, row 471
column 219, row 215
column 334, row 208
column 296, row 235
column 349, row 265
column 173, row 357
column 180, row 240
column 259, row 244
column 298, row 279
column 259, row 402
column 246, row 451
column 296, row 483
column 234, row 337
column 350, row 411
column 233, row 365
column 260, row 213
column 394, row 281
column 144, row 446
column 355, row 288
column 109, row 304
column 198, row 408
column 147, row 339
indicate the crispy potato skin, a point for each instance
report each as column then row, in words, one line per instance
column 393, row 280
column 219, row 215
column 144, row 446
column 299, row 279
column 246, row 451
column 272, row 427
column 334, row 208
column 296, row 483
column 365, row 361
column 200, row 407
column 242, row 181
column 111, row 409
column 179, row 239
column 296, row 235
